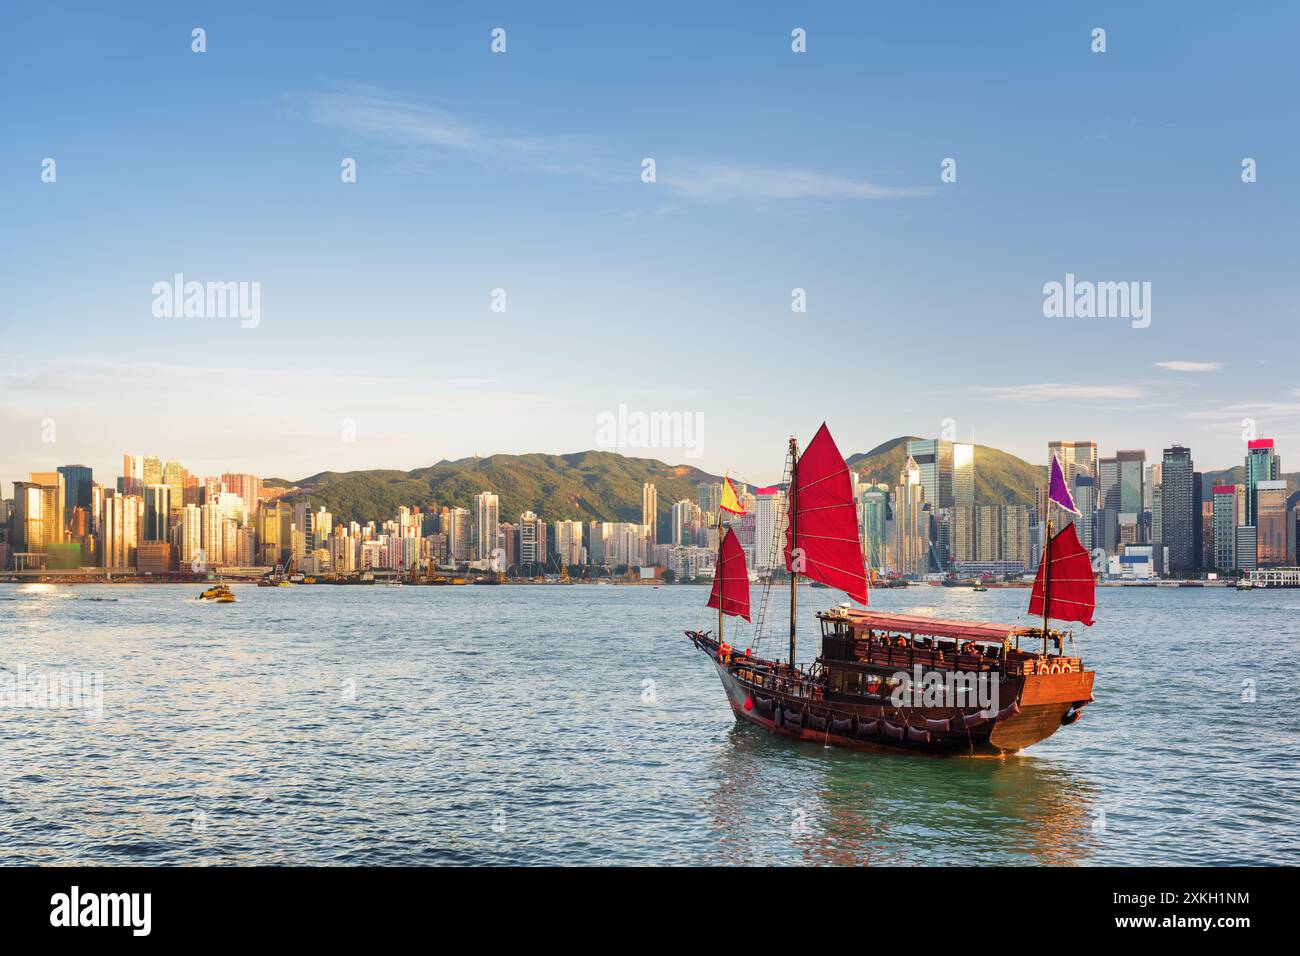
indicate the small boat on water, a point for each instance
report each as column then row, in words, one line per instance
column 979, row 588
column 897, row 682
column 218, row 594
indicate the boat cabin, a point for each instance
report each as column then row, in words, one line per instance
column 855, row 643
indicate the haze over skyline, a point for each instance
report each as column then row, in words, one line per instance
column 522, row 171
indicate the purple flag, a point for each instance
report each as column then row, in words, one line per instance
column 1058, row 490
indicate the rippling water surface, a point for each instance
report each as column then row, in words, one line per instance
column 510, row 725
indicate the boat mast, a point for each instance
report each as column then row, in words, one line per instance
column 1047, row 573
column 794, row 542
column 718, row 567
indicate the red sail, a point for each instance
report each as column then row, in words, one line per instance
column 1073, row 588
column 826, row 520
column 731, row 579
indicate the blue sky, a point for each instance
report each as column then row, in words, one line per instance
column 522, row 171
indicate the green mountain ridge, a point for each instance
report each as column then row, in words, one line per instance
column 585, row 486
column 596, row 485
column 1000, row 477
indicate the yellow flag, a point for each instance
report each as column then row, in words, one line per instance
column 729, row 500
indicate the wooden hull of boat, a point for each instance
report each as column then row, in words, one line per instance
column 1033, row 708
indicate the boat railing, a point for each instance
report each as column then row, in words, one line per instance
column 908, row 657
column 1038, row 664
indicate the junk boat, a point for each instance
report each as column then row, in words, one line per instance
column 897, row 682
column 219, row 594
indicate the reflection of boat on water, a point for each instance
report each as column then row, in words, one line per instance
column 218, row 594
column 897, row 682
column 831, row 806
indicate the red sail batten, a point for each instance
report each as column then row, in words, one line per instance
column 731, row 579
column 1074, row 589
column 826, row 520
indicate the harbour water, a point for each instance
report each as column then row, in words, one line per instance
column 577, row 725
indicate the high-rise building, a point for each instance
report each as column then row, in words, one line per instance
column 934, row 460
column 1247, row 548
column 875, row 527
column 1078, row 458
column 487, row 525
column 686, row 516
column 911, row 522
column 532, row 540
column 769, row 526
column 123, row 515
column 1085, row 499
column 37, row 520
column 192, row 536
column 568, row 542
column 988, row 533
column 174, row 478
column 1131, row 492
column 1015, row 535
column 248, row 487
column 961, row 533
column 1075, row 456
column 1180, row 506
column 132, row 480
column 1262, row 464
column 78, row 485
column 459, row 535
column 274, row 531
column 1224, row 520
column 650, row 511
column 152, row 472
column 708, row 498
column 1270, row 523
column 963, row 475
column 157, row 512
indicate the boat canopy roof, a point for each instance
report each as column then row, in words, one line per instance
column 932, row 626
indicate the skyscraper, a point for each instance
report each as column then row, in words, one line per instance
column 78, row 483
column 1262, row 464
column 487, row 524
column 122, row 514
column 1224, row 503
column 769, row 524
column 1270, row 523
column 1131, row 466
column 248, row 487
column 875, row 527
column 132, row 482
column 532, row 539
column 963, row 475
column 934, row 460
column 1179, row 507
column 568, row 542
column 650, row 512
column 686, row 515
column 174, row 478
column 191, row 536
column 1015, row 535
column 1077, row 458
column 911, row 522
column 459, row 522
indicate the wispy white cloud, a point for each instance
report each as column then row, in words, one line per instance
column 424, row 130
column 1048, row 391
column 724, row 183
column 1190, row 366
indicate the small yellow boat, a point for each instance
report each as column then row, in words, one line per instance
column 219, row 594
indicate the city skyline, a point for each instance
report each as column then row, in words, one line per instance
column 225, row 464
column 481, row 171
column 1141, row 518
